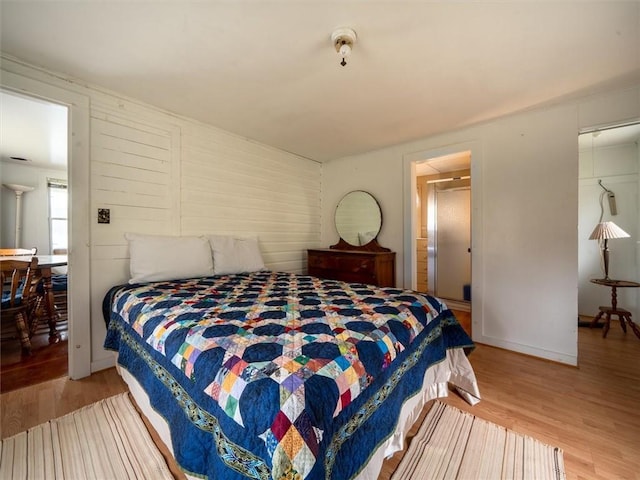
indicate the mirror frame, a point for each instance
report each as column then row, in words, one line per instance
column 372, row 245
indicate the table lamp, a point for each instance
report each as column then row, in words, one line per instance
column 605, row 231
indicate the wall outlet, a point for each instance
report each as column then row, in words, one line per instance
column 104, row 215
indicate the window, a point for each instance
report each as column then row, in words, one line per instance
column 58, row 213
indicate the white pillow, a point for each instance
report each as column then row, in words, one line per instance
column 155, row 258
column 235, row 255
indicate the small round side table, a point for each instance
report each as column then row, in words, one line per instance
column 623, row 315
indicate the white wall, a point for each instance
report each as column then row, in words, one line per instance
column 617, row 167
column 34, row 206
column 524, row 216
column 164, row 174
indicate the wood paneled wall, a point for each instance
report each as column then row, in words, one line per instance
column 134, row 174
column 230, row 185
column 158, row 174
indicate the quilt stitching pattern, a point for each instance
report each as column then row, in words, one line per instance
column 381, row 395
column 282, row 328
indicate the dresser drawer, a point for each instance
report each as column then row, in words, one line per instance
column 421, row 267
column 421, row 249
column 373, row 268
column 341, row 262
column 421, row 255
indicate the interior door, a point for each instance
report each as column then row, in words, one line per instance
column 453, row 240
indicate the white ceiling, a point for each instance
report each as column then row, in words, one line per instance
column 267, row 70
column 33, row 132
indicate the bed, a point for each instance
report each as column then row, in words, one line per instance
column 279, row 375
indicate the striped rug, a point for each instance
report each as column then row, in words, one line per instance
column 452, row 444
column 105, row 440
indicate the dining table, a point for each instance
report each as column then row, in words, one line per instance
column 45, row 265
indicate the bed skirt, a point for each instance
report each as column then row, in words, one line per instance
column 455, row 371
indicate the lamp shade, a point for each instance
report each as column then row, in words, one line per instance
column 606, row 230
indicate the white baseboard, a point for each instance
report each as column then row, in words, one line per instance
column 559, row 357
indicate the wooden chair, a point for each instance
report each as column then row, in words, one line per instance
column 18, row 295
column 59, row 286
column 17, row 252
column 23, row 252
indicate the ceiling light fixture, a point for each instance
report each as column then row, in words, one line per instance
column 343, row 40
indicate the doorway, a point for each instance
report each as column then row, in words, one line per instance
column 439, row 259
column 443, row 222
column 608, row 191
column 33, row 154
column 79, row 311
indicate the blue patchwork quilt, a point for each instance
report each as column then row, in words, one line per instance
column 277, row 375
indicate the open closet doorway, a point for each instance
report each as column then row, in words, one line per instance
column 34, row 162
column 608, row 191
column 443, row 228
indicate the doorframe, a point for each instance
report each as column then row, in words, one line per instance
column 79, row 314
column 409, row 221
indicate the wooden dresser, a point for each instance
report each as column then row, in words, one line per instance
column 357, row 266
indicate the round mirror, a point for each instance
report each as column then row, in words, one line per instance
column 358, row 218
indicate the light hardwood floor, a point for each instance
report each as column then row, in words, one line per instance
column 592, row 412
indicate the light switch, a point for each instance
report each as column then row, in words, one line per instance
column 104, row 215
